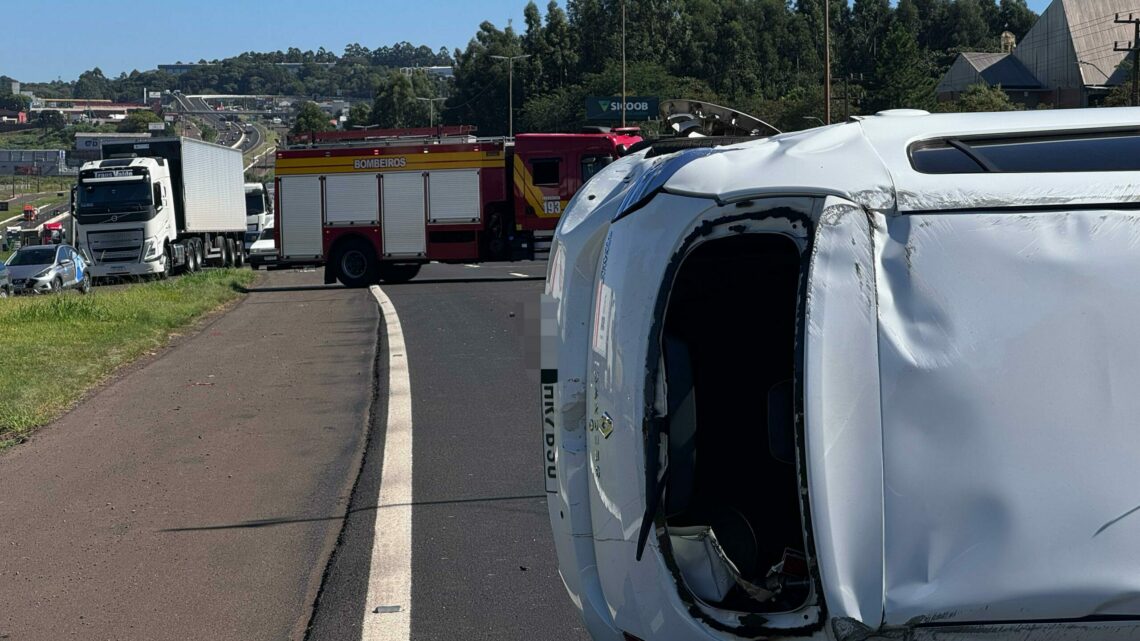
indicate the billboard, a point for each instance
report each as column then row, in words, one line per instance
column 156, row 126
column 609, row 108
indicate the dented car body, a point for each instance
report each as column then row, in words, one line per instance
column 873, row 380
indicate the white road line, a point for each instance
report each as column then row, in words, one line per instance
column 518, row 274
column 388, row 609
column 472, row 266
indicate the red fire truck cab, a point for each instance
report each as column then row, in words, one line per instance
column 377, row 207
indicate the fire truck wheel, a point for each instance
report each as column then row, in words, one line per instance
column 398, row 273
column 356, row 263
column 495, row 238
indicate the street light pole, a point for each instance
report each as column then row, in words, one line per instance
column 623, row 98
column 511, row 89
column 431, row 109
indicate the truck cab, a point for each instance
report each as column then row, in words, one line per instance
column 548, row 169
column 257, row 212
column 124, row 215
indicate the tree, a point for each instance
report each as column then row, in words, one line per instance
column 15, row 102
column 982, row 97
column 903, row 77
column 359, row 114
column 310, row 118
column 139, row 121
column 396, row 104
column 92, row 85
column 209, row 134
column 51, row 119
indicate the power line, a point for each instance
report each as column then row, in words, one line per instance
column 1133, row 48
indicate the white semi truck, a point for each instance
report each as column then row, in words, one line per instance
column 152, row 207
column 257, row 212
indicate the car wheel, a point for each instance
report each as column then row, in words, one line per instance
column 3, row 292
column 56, row 284
column 85, row 285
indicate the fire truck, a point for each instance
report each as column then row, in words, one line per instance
column 375, row 205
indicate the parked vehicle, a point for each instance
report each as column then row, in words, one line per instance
column 257, row 212
column 154, row 206
column 263, row 252
column 867, row 381
column 5, row 281
column 376, row 205
column 42, row 269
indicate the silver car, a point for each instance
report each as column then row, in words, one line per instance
column 48, row 268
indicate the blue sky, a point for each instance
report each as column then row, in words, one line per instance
column 63, row 38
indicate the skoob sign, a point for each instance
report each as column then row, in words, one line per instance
column 636, row 107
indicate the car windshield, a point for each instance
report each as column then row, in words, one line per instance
column 266, row 234
column 33, row 256
column 98, row 196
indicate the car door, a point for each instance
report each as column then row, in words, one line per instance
column 66, row 265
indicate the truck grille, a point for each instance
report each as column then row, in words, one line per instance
column 119, row 246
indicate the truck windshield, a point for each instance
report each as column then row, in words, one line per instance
column 254, row 203
column 113, row 196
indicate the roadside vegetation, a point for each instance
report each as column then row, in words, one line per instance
column 55, row 348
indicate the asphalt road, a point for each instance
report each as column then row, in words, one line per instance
column 167, row 507
column 190, row 498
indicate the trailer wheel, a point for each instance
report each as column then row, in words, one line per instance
column 227, row 252
column 356, row 263
column 239, row 253
column 396, row 273
column 199, row 254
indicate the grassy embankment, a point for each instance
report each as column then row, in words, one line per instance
column 55, row 348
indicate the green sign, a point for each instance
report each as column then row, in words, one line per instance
column 636, row 108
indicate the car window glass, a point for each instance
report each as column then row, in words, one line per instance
column 545, row 172
column 1083, row 152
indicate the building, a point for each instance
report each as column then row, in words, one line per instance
column 1068, row 58
column 179, row 68
column 435, row 72
column 89, row 144
column 33, row 162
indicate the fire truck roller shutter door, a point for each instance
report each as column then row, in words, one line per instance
column 301, row 217
column 404, row 229
column 453, row 196
column 352, row 199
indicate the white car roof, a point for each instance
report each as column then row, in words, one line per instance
column 868, row 161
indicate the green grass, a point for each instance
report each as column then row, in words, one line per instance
column 54, row 348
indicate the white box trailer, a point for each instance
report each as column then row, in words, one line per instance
column 151, row 206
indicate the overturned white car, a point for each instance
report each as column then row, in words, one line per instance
column 877, row 380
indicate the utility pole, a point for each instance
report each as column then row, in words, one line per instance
column 1133, row 48
column 827, row 61
column 847, row 93
column 511, row 89
column 623, row 100
column 431, row 108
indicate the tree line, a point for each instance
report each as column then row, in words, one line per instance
column 764, row 57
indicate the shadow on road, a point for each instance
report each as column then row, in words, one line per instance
column 291, row 288
column 441, row 281
column 259, row 523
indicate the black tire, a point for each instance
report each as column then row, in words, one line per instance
column 356, row 263
column 191, row 265
column 398, row 273
column 85, row 284
column 239, row 253
column 495, row 244
column 167, row 264
column 199, row 254
column 227, row 252
column 56, row 285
